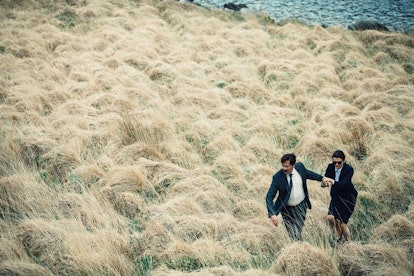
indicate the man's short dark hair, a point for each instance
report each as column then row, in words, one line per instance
column 289, row 156
column 338, row 154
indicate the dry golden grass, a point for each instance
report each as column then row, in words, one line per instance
column 22, row 268
column 303, row 259
column 140, row 138
column 373, row 259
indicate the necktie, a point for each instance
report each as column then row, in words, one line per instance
column 290, row 181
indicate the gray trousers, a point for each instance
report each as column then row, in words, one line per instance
column 294, row 218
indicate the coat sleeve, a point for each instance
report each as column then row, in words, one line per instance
column 271, row 193
column 330, row 172
column 313, row 175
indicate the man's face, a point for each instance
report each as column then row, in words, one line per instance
column 338, row 162
column 287, row 168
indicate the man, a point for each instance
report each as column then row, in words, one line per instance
column 293, row 198
column 343, row 195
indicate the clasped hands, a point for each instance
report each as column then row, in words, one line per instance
column 326, row 181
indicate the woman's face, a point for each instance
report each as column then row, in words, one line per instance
column 338, row 162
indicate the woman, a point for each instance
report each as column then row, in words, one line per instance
column 343, row 195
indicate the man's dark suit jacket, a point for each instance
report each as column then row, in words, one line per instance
column 344, row 187
column 280, row 184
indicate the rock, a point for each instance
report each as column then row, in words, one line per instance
column 235, row 7
column 368, row 25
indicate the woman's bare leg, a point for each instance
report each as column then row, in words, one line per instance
column 345, row 231
column 335, row 225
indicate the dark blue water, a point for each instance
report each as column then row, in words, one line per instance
column 397, row 15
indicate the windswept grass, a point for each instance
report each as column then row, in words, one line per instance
column 140, row 138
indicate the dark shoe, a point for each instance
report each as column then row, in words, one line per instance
column 340, row 241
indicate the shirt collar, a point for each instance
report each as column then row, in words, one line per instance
column 294, row 172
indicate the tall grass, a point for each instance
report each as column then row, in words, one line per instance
column 140, row 138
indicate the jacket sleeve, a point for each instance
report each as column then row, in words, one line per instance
column 271, row 193
column 330, row 171
column 313, row 175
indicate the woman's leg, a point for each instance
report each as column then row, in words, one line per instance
column 345, row 231
column 335, row 225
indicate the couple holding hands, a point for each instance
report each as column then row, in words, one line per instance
column 292, row 200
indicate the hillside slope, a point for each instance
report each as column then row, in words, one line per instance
column 140, row 138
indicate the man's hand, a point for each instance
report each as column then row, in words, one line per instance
column 326, row 181
column 274, row 220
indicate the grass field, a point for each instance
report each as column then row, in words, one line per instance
column 140, row 138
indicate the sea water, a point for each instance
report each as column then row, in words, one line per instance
column 397, row 15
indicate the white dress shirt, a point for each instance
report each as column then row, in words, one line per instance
column 337, row 174
column 297, row 195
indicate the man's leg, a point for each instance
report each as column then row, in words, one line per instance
column 300, row 216
column 289, row 223
column 294, row 218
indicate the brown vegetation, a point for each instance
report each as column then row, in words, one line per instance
column 140, row 137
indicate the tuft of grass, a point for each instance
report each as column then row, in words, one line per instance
column 367, row 216
column 221, row 84
column 68, row 18
column 145, row 265
column 293, row 20
column 185, row 263
column 49, row 179
column 135, row 226
column 151, row 132
column 409, row 68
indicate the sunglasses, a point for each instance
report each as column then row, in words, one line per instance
column 339, row 162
